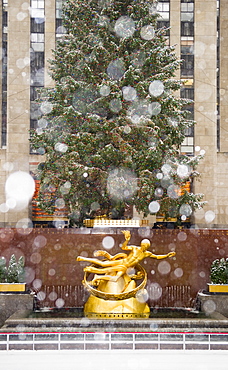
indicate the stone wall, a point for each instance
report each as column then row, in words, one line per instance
column 53, row 273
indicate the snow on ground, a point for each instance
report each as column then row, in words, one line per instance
column 114, row 360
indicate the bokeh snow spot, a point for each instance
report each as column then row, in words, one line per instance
column 122, row 183
column 173, row 191
column 61, row 147
column 156, row 88
column 116, row 69
column 142, row 296
column 183, row 170
column 104, row 90
column 108, row 242
column 154, row 206
column 178, row 272
column 60, row 203
column 147, row 32
column 209, row 216
column 154, row 108
column 185, row 209
column 46, row 107
column 164, row 267
column 124, row 27
column 40, row 241
column 115, row 105
column 19, row 187
column 129, row 93
column 158, row 192
column 37, row 284
column 209, row 306
column 24, row 226
column 35, row 258
column 59, row 302
column 154, row 291
column 51, row 272
column 52, row 296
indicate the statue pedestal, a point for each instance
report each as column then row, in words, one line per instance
column 128, row 308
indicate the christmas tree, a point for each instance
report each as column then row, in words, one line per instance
column 112, row 127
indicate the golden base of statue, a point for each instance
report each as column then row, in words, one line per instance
column 113, row 288
column 115, row 308
column 131, row 308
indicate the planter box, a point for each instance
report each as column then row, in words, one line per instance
column 218, row 288
column 12, row 287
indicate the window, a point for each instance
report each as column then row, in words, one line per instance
column 60, row 29
column 37, row 4
column 187, row 146
column 37, row 26
column 37, row 9
column 34, row 93
column 59, row 5
column 37, row 41
column 163, row 11
column 187, row 93
column 187, row 7
column 187, row 29
column 187, row 18
column 187, row 66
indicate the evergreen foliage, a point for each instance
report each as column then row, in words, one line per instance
column 113, row 125
column 14, row 273
column 219, row 271
column 3, row 270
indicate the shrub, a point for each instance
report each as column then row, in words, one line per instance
column 14, row 273
column 3, row 270
column 219, row 271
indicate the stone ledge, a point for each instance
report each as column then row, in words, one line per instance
column 213, row 304
column 12, row 302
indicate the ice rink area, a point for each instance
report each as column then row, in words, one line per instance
column 114, row 360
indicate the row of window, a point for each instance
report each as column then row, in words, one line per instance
column 187, row 66
column 37, row 55
column 4, row 72
column 37, row 58
column 187, row 17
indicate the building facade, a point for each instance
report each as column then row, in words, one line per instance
column 198, row 28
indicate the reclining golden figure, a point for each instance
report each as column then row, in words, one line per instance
column 113, row 267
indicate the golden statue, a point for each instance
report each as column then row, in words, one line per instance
column 114, row 292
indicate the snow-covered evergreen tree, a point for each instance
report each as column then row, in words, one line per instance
column 112, row 126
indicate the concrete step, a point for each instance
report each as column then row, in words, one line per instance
column 73, row 321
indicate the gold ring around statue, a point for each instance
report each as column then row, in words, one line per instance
column 119, row 296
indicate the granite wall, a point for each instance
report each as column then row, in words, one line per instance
column 53, row 273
